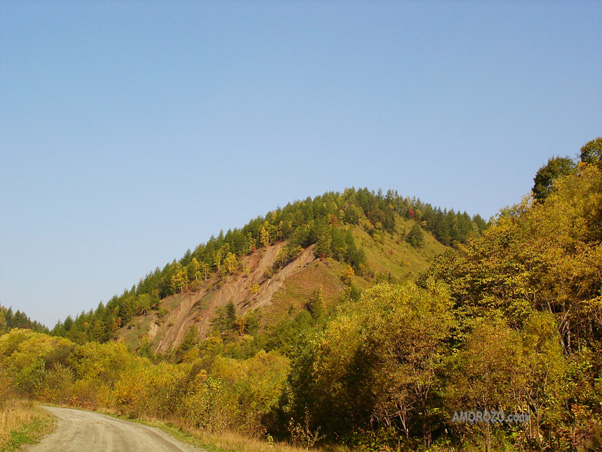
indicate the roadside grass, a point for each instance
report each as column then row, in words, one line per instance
column 216, row 442
column 230, row 441
column 21, row 422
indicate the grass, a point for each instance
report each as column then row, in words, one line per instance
column 392, row 254
column 300, row 288
column 21, row 422
column 231, row 442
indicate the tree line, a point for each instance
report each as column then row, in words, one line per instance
column 10, row 319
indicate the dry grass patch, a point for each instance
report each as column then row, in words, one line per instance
column 21, row 422
column 230, row 442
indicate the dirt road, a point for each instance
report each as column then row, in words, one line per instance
column 83, row 431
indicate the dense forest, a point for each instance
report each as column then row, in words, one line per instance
column 507, row 324
column 321, row 221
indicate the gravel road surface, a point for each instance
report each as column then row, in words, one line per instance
column 83, row 431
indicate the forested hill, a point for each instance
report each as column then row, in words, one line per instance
column 323, row 222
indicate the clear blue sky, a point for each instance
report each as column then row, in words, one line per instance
column 131, row 131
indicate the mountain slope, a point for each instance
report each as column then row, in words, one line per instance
column 277, row 294
column 200, row 307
